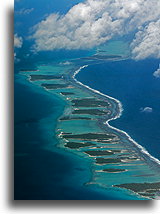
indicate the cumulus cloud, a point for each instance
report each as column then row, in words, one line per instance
column 147, row 42
column 24, row 11
column 94, row 22
column 146, row 110
column 18, row 41
column 16, row 60
column 157, row 73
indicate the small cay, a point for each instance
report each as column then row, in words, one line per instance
column 74, row 145
column 81, row 130
column 54, row 86
column 44, row 77
column 97, row 112
column 89, row 103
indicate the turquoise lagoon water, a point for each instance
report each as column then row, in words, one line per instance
column 43, row 171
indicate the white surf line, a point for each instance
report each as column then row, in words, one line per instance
column 142, row 149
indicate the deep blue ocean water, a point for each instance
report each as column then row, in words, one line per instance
column 135, row 86
column 42, row 171
column 39, row 172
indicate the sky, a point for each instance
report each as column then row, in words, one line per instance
column 88, row 24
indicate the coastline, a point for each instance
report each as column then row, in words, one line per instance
column 52, row 153
column 149, row 159
column 120, row 108
column 73, row 87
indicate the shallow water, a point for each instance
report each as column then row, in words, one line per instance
column 43, row 171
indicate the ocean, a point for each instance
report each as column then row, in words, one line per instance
column 134, row 85
column 43, row 171
column 40, row 172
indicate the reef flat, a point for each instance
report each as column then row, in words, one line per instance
column 144, row 189
column 83, row 130
column 102, row 56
